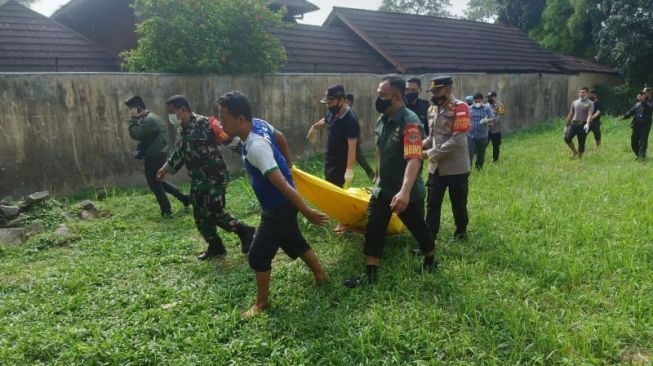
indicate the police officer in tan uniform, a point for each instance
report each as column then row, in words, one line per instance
column 446, row 150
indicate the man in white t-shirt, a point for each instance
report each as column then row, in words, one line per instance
column 269, row 175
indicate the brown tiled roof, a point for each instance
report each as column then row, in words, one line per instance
column 318, row 49
column 432, row 44
column 425, row 44
column 32, row 42
column 582, row 65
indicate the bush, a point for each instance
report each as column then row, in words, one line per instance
column 206, row 36
column 618, row 99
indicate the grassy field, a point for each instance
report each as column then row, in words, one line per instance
column 557, row 270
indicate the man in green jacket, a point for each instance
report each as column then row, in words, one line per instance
column 152, row 135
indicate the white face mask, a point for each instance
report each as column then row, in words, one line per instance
column 477, row 105
column 174, row 120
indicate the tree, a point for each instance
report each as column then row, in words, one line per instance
column 568, row 26
column 482, row 10
column 206, row 36
column 419, row 7
column 625, row 39
column 523, row 14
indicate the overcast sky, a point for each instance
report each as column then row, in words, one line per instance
column 47, row 7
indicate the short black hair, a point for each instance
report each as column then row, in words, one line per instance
column 585, row 88
column 237, row 103
column 416, row 81
column 478, row 95
column 135, row 101
column 397, row 83
column 178, row 102
column 349, row 96
column 593, row 91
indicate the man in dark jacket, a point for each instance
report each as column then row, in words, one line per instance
column 152, row 135
column 641, row 125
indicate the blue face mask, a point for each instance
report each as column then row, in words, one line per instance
column 382, row 105
column 411, row 98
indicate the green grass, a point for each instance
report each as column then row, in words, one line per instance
column 557, row 270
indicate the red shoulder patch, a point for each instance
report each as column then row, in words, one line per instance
column 462, row 120
column 216, row 126
column 412, row 141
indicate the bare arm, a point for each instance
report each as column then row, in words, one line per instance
column 351, row 153
column 570, row 115
column 319, row 124
column 281, row 141
column 589, row 114
column 279, row 181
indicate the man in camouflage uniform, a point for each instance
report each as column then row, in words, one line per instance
column 199, row 151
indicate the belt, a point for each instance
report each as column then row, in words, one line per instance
column 578, row 122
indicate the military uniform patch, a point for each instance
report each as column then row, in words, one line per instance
column 412, row 141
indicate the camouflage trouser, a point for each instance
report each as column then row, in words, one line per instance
column 209, row 213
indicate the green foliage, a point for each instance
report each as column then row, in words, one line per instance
column 48, row 241
column 567, row 26
column 50, row 213
column 618, row 99
column 482, row 10
column 556, row 272
column 420, row 7
column 618, row 33
column 523, row 14
column 625, row 38
column 206, row 36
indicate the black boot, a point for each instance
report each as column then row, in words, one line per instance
column 367, row 278
column 215, row 249
column 185, row 200
column 246, row 235
column 429, row 264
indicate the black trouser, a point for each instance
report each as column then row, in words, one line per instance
column 576, row 129
column 639, row 138
column 495, row 138
column 378, row 218
column 360, row 158
column 278, row 229
column 335, row 174
column 159, row 188
column 458, row 190
column 595, row 128
column 477, row 146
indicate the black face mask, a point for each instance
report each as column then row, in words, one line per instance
column 411, row 98
column 382, row 105
column 491, row 100
column 334, row 110
column 439, row 100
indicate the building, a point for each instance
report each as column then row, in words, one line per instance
column 31, row 42
column 113, row 23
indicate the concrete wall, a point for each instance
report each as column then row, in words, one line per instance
column 589, row 80
column 64, row 132
column 528, row 98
